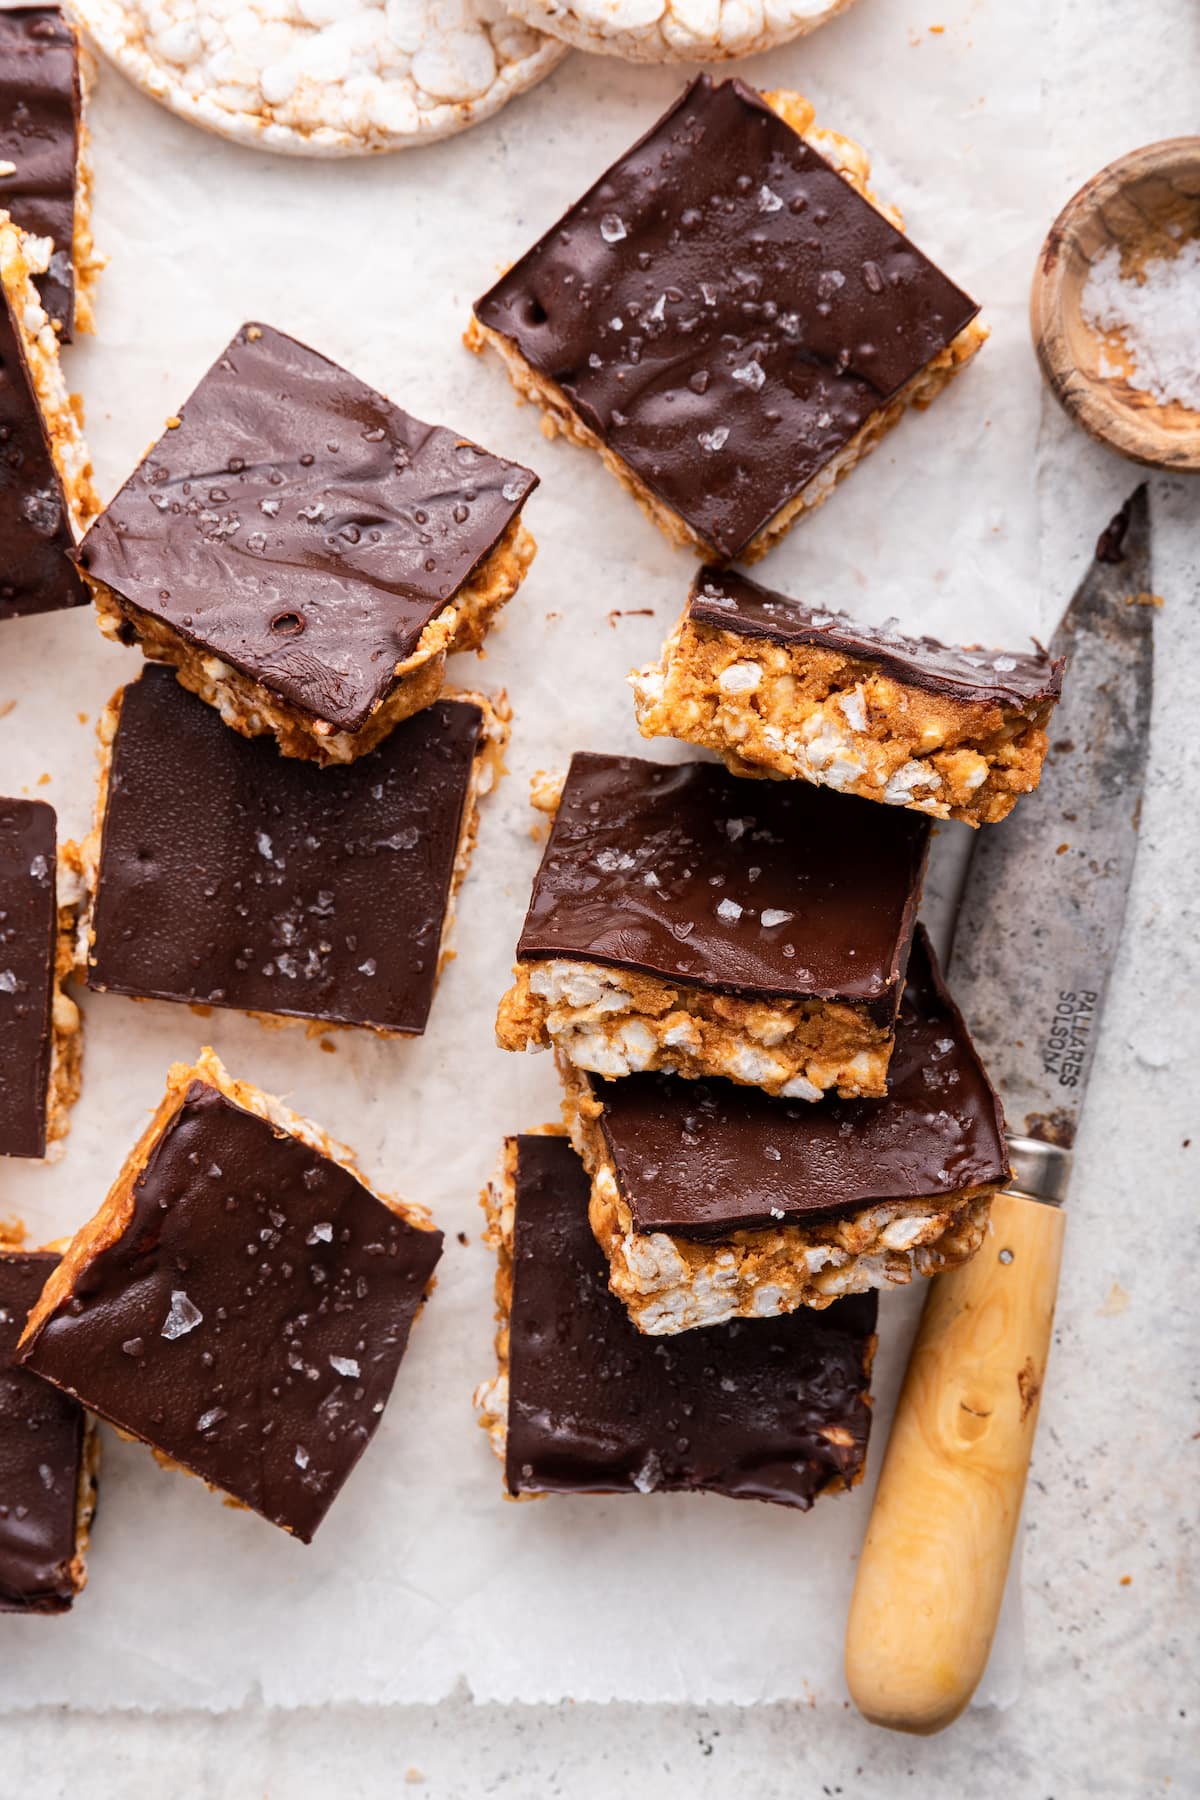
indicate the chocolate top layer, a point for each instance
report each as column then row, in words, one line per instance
column 233, row 876
column 762, row 888
column 36, row 575
column 250, row 1319
column 726, row 601
column 41, row 1446
column 39, row 132
column 28, row 942
column 596, row 1408
column 704, row 1158
column 725, row 311
column 302, row 526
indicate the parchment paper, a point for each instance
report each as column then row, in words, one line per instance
column 423, row 1578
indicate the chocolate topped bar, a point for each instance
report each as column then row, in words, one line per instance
column 41, row 1451
column 301, row 527
column 232, row 876
column 28, row 932
column 766, row 888
column 725, row 312
column 772, row 1410
column 242, row 1304
column 36, row 575
column 39, row 135
column 705, row 1158
column 728, row 601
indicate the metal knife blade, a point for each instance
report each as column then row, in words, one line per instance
column 1044, row 893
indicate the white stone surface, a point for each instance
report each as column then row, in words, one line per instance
column 1109, row 1701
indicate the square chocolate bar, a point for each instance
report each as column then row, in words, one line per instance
column 223, row 874
column 46, row 491
column 242, row 1300
column 48, row 1457
column 582, row 1404
column 305, row 553
column 41, row 1037
column 779, row 688
column 715, row 1202
column 729, row 318
column 43, row 146
column 686, row 921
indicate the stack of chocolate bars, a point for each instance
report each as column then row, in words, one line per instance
column 287, row 807
column 772, row 1104
column 288, row 803
column 287, row 838
column 47, row 267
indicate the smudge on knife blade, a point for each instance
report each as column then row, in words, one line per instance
column 1110, row 545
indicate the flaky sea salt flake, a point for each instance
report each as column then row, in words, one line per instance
column 750, row 374
column 183, row 1317
column 1157, row 316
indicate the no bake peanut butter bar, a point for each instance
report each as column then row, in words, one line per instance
column 582, row 1404
column 729, row 318
column 778, row 688
column 715, row 1202
column 222, row 874
column 41, row 1034
column 44, row 154
column 48, row 1461
column 46, row 492
column 304, row 553
column 682, row 920
column 242, row 1300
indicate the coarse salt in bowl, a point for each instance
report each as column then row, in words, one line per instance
column 1115, row 306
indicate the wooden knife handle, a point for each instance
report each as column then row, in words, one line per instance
column 937, row 1549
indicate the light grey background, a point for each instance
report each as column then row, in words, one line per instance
column 1109, row 1700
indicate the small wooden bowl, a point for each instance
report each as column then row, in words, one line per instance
column 1147, row 204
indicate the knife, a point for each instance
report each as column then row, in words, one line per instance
column 1035, row 938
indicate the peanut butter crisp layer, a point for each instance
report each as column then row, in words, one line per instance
column 305, row 553
column 47, row 1462
column 729, row 317
column 242, row 1300
column 779, row 688
column 583, row 1404
column 226, row 875
column 686, row 921
column 40, row 1030
column 714, row 1202
column 45, row 185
